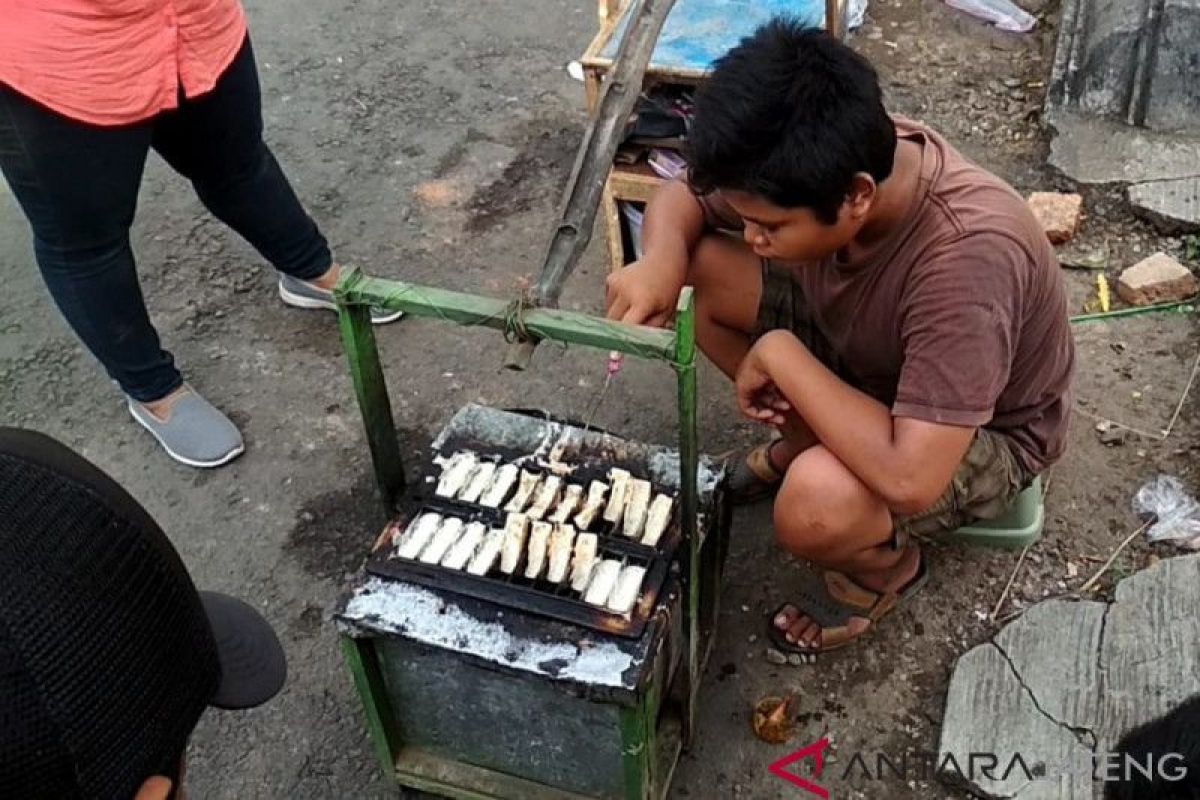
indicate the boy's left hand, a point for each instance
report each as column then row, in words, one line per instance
column 757, row 395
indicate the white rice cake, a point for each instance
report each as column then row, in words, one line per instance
column 485, row 558
column 629, row 586
column 584, row 560
column 637, row 502
column 458, row 555
column 535, row 553
column 516, row 528
column 525, row 490
column 618, row 480
column 560, row 553
column 593, row 505
column 546, row 496
column 457, row 472
column 502, row 482
column 418, row 534
column 479, row 481
column 447, row 534
column 657, row 519
column 604, row 580
column 569, row 502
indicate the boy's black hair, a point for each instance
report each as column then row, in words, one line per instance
column 790, row 114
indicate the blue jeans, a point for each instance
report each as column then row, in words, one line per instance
column 78, row 186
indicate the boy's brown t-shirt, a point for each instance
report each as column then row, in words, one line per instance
column 958, row 317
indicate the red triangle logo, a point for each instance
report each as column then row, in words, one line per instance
column 815, row 751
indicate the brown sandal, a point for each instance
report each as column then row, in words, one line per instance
column 753, row 477
column 832, row 599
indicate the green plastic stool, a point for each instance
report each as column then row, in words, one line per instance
column 1018, row 527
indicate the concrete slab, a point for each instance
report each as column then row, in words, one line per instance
column 1130, row 61
column 1124, row 103
column 1060, row 686
column 1150, row 656
column 1094, row 150
column 1172, row 205
column 1160, row 168
column 1038, row 753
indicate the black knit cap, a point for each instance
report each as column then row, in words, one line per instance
column 108, row 654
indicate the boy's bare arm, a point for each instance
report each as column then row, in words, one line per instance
column 644, row 293
column 907, row 462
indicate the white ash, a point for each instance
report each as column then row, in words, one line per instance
column 422, row 616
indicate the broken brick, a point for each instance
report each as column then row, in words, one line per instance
column 1157, row 279
column 1058, row 214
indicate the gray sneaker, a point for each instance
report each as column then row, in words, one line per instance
column 195, row 433
column 303, row 294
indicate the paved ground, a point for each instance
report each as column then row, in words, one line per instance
column 1068, row 679
column 367, row 103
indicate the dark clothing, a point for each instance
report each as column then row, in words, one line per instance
column 958, row 317
column 78, row 185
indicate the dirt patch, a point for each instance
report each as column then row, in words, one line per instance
column 307, row 624
column 538, row 173
column 334, row 531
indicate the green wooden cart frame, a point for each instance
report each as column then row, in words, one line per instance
column 356, row 293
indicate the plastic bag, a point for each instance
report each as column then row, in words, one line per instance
column 856, row 14
column 1176, row 513
column 1004, row 14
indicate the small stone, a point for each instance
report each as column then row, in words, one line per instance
column 1013, row 83
column 1157, row 279
column 1058, row 214
column 745, row 608
column 1082, row 258
column 752, row 638
column 776, row 657
column 795, row 659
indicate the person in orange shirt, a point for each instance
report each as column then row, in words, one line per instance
column 86, row 90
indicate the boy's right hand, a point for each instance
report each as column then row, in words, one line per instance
column 645, row 292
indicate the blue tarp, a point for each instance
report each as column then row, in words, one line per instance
column 697, row 32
